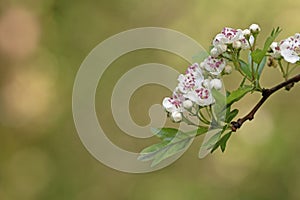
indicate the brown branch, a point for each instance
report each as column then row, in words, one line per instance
column 266, row 93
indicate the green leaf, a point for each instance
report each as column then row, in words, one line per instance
column 230, row 116
column 238, row 94
column 166, row 134
column 173, row 141
column 257, row 68
column 261, row 67
column 219, row 107
column 258, row 54
column 214, row 138
column 148, row 153
column 224, row 140
column 245, row 68
column 200, row 131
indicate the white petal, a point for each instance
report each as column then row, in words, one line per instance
column 290, row 56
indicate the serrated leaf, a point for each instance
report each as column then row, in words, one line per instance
column 231, row 115
column 238, row 94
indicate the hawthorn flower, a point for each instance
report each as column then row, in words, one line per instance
column 192, row 77
column 228, row 36
column 195, row 70
column 213, row 65
column 275, row 50
column 290, row 48
column 201, row 96
column 174, row 103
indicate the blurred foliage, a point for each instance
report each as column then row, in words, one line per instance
column 42, row 44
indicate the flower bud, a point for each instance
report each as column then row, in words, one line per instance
column 187, row 104
column 222, row 48
column 246, row 33
column 227, row 69
column 236, row 44
column 214, row 52
column 176, row 116
column 216, row 83
column 254, row 28
column 206, row 83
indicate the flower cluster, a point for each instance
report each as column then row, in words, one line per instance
column 288, row 48
column 235, row 38
column 194, row 87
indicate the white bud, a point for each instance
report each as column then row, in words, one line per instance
column 216, row 83
column 236, row 44
column 246, row 32
column 222, row 48
column 206, row 83
column 176, row 116
column 214, row 52
column 254, row 28
column 188, row 104
column 227, row 69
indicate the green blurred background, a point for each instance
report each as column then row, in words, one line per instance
column 42, row 44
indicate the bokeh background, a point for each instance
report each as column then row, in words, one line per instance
column 42, row 44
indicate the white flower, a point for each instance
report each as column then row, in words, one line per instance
column 174, row 103
column 290, row 48
column 187, row 82
column 214, row 65
column 216, row 83
column 275, row 50
column 188, row 104
column 254, row 28
column 192, row 77
column 176, row 116
column 195, row 70
column 228, row 36
column 201, row 96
